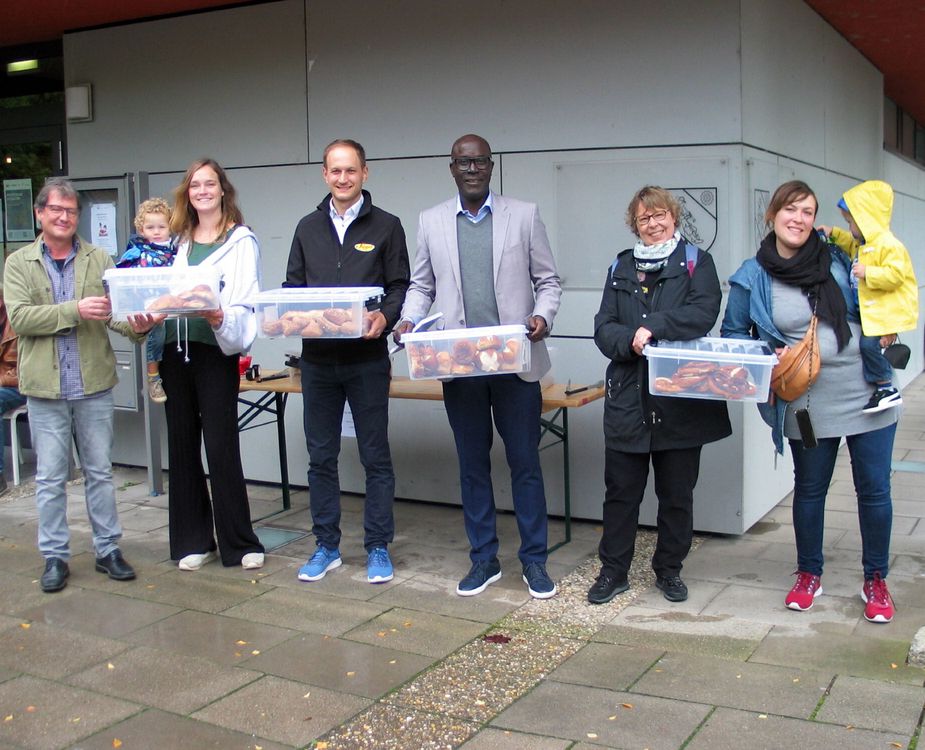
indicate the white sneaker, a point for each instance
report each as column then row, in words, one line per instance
column 252, row 561
column 195, row 562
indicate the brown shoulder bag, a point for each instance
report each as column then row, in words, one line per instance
column 798, row 367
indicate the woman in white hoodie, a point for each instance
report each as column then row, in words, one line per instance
column 201, row 378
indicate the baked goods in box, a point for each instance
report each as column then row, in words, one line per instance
column 462, row 352
column 200, row 297
column 725, row 381
column 311, row 324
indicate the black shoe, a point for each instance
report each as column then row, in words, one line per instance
column 882, row 399
column 606, row 587
column 115, row 566
column 55, row 576
column 672, row 587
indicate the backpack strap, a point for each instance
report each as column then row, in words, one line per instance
column 690, row 256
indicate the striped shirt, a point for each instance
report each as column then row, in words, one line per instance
column 63, row 288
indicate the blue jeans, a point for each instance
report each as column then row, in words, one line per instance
column 515, row 405
column 325, row 389
column 10, row 398
column 154, row 344
column 53, row 421
column 870, row 467
column 876, row 367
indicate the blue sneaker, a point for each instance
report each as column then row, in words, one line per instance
column 320, row 563
column 539, row 584
column 479, row 576
column 378, row 565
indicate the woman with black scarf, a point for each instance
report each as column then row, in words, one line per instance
column 773, row 296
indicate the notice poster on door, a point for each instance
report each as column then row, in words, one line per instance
column 19, row 221
column 103, row 227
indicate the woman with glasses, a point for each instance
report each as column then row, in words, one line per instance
column 662, row 288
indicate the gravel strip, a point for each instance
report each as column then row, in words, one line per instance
column 391, row 727
column 487, row 674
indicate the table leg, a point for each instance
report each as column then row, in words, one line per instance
column 281, row 441
column 561, row 432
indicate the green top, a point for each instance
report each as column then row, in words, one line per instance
column 194, row 328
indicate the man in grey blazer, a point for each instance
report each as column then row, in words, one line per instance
column 484, row 259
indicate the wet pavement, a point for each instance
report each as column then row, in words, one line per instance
column 227, row 658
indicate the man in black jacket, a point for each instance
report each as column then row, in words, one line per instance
column 347, row 241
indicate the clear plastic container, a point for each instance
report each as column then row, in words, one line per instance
column 467, row 352
column 712, row 368
column 177, row 291
column 316, row 312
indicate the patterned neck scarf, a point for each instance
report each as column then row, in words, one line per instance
column 651, row 258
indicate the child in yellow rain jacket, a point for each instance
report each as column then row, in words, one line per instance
column 883, row 280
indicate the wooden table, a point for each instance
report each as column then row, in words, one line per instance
column 272, row 395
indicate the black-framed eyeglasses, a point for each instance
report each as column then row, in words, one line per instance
column 479, row 162
column 72, row 213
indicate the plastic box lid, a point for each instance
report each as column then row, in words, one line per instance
column 744, row 351
column 317, row 294
column 463, row 333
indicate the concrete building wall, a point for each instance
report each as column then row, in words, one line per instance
column 721, row 100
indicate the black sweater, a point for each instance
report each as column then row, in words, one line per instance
column 374, row 253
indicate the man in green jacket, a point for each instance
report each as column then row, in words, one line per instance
column 58, row 307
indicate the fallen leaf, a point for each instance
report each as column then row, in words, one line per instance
column 8, row 718
column 25, row 625
column 307, row 694
column 116, row 742
column 30, row 709
column 762, row 716
column 237, row 653
column 110, row 666
column 240, row 643
column 322, row 745
column 256, row 652
column 393, row 661
column 592, row 736
column 496, row 638
column 381, row 634
column 612, row 718
column 408, row 623
column 627, row 705
column 894, row 666
column 796, row 679
column 150, row 586
column 738, row 677
column 896, row 744
column 75, row 720
column 351, row 674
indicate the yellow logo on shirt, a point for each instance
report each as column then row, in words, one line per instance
column 364, row 247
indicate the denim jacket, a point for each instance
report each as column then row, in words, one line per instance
column 749, row 316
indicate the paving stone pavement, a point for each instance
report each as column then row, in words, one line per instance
column 226, row 658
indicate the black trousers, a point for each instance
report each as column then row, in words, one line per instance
column 202, row 403
column 625, row 476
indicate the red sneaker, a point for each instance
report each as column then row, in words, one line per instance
column 879, row 602
column 804, row 591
